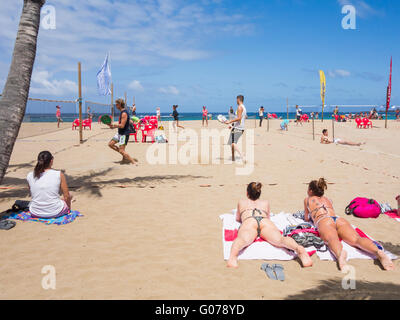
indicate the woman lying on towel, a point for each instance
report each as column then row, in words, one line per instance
column 333, row 228
column 254, row 214
column 45, row 184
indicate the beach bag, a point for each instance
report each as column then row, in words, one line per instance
column 364, row 208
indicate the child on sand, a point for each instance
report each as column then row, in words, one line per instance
column 332, row 228
column 254, row 214
column 325, row 140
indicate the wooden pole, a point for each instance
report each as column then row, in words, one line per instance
column 386, row 120
column 333, row 128
column 125, row 99
column 287, row 108
column 80, row 103
column 267, row 123
column 112, row 101
column 313, row 129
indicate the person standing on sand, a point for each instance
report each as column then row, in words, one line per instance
column 205, row 116
column 119, row 142
column 325, row 140
column 175, row 114
column 261, row 115
column 332, row 228
column 158, row 114
column 298, row 116
column 58, row 116
column 254, row 215
column 238, row 127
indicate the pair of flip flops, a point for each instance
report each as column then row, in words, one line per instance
column 7, row 224
column 274, row 271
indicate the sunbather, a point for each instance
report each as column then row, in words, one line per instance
column 325, row 140
column 254, row 214
column 332, row 228
column 45, row 184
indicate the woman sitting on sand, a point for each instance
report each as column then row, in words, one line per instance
column 254, row 214
column 333, row 228
column 45, row 184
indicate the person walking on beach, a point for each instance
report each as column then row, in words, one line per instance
column 175, row 114
column 261, row 115
column 231, row 113
column 158, row 114
column 254, row 215
column 133, row 110
column 205, row 116
column 319, row 210
column 325, row 140
column 58, row 116
column 299, row 113
column 119, row 142
column 238, row 127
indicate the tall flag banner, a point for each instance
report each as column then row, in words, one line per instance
column 104, row 78
column 323, row 90
column 389, row 88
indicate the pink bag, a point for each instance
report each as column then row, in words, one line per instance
column 364, row 208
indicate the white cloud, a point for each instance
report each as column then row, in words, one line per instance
column 43, row 84
column 135, row 85
column 169, row 90
column 339, row 73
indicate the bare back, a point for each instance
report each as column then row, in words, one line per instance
column 318, row 207
column 245, row 209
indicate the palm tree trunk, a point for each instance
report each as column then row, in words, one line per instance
column 16, row 90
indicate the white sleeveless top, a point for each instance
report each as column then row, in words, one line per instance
column 45, row 193
column 240, row 125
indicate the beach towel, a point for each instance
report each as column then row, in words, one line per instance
column 393, row 214
column 26, row 216
column 261, row 250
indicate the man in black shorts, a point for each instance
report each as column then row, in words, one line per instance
column 120, row 140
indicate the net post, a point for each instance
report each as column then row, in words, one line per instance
column 333, row 127
column 80, row 103
column 287, row 108
column 313, row 129
column 112, row 101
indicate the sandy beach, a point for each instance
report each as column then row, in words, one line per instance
column 153, row 231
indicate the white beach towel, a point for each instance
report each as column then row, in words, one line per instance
column 262, row 250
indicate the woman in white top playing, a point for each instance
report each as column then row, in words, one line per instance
column 45, row 184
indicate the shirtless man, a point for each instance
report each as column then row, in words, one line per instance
column 254, row 214
column 332, row 228
column 325, row 140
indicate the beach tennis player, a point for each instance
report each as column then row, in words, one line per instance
column 119, row 142
column 58, row 116
column 205, row 116
column 325, row 140
column 175, row 114
column 238, row 127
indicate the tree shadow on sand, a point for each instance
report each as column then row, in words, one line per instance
column 332, row 290
column 91, row 183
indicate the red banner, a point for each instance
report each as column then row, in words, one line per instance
column 389, row 88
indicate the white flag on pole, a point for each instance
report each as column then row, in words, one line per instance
column 104, row 78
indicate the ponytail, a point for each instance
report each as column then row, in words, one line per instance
column 43, row 163
column 254, row 190
column 318, row 187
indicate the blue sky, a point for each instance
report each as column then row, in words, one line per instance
column 206, row 52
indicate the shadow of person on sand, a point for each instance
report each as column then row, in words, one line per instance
column 365, row 290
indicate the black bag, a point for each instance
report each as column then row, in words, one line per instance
column 20, row 205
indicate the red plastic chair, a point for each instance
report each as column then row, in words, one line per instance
column 134, row 134
column 359, row 123
column 367, row 123
column 149, row 131
column 87, row 123
column 75, row 124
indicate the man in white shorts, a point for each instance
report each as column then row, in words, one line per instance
column 325, row 140
column 238, row 127
column 119, row 142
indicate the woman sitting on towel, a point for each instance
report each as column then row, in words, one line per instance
column 332, row 228
column 45, row 184
column 254, row 214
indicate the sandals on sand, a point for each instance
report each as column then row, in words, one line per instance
column 274, row 272
column 7, row 224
